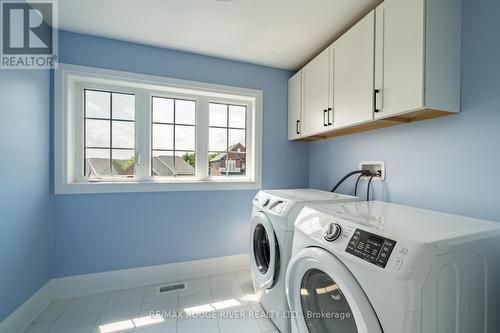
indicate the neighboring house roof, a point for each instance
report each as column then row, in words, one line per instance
column 160, row 168
column 238, row 147
column 99, row 167
column 171, row 165
column 218, row 157
column 237, row 150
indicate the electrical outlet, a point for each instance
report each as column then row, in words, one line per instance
column 376, row 167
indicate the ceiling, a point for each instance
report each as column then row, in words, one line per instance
column 278, row 33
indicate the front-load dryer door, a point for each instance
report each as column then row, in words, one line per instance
column 264, row 251
column 325, row 296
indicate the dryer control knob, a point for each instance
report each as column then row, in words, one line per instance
column 332, row 231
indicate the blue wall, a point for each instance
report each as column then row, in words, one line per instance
column 94, row 233
column 449, row 164
column 25, row 208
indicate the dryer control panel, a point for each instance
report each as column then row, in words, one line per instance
column 271, row 204
column 370, row 247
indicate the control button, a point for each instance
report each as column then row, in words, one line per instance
column 398, row 262
column 403, row 250
column 266, row 202
column 332, row 231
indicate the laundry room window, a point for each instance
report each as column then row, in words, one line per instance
column 125, row 132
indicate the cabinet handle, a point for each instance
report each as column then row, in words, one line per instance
column 375, row 93
column 297, row 127
column 324, row 118
column 330, row 122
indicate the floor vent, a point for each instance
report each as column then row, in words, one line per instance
column 169, row 288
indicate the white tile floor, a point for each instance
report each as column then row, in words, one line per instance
column 215, row 304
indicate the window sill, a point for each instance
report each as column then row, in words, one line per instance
column 157, row 186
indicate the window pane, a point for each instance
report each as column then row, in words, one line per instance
column 97, row 162
column 123, row 106
column 161, row 163
column 123, row 134
column 218, row 114
column 185, row 112
column 184, row 137
column 236, row 140
column 123, row 162
column 237, row 116
column 173, row 144
column 216, row 163
column 163, row 110
column 217, row 139
column 185, row 163
column 97, row 104
column 97, row 133
column 163, row 136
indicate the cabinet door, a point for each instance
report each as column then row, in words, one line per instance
column 295, row 106
column 399, row 52
column 316, row 81
column 353, row 74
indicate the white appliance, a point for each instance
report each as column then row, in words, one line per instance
column 379, row 267
column 271, row 235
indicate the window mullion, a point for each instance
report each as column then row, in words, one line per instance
column 202, row 106
column 143, row 135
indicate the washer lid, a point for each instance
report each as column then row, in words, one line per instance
column 309, row 194
column 326, row 296
column 264, row 252
column 448, row 232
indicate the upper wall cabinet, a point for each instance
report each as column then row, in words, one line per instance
column 417, row 56
column 352, row 58
column 399, row 54
column 316, row 83
column 400, row 63
column 295, row 106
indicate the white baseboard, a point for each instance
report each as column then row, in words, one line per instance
column 20, row 319
column 74, row 286
column 79, row 285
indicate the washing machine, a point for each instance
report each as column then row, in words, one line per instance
column 273, row 217
column 375, row 267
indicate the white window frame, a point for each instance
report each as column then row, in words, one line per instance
column 68, row 131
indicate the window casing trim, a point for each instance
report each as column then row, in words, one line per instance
column 68, row 138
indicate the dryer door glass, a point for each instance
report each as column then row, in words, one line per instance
column 261, row 248
column 324, row 306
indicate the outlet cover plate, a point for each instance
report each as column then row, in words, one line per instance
column 374, row 166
